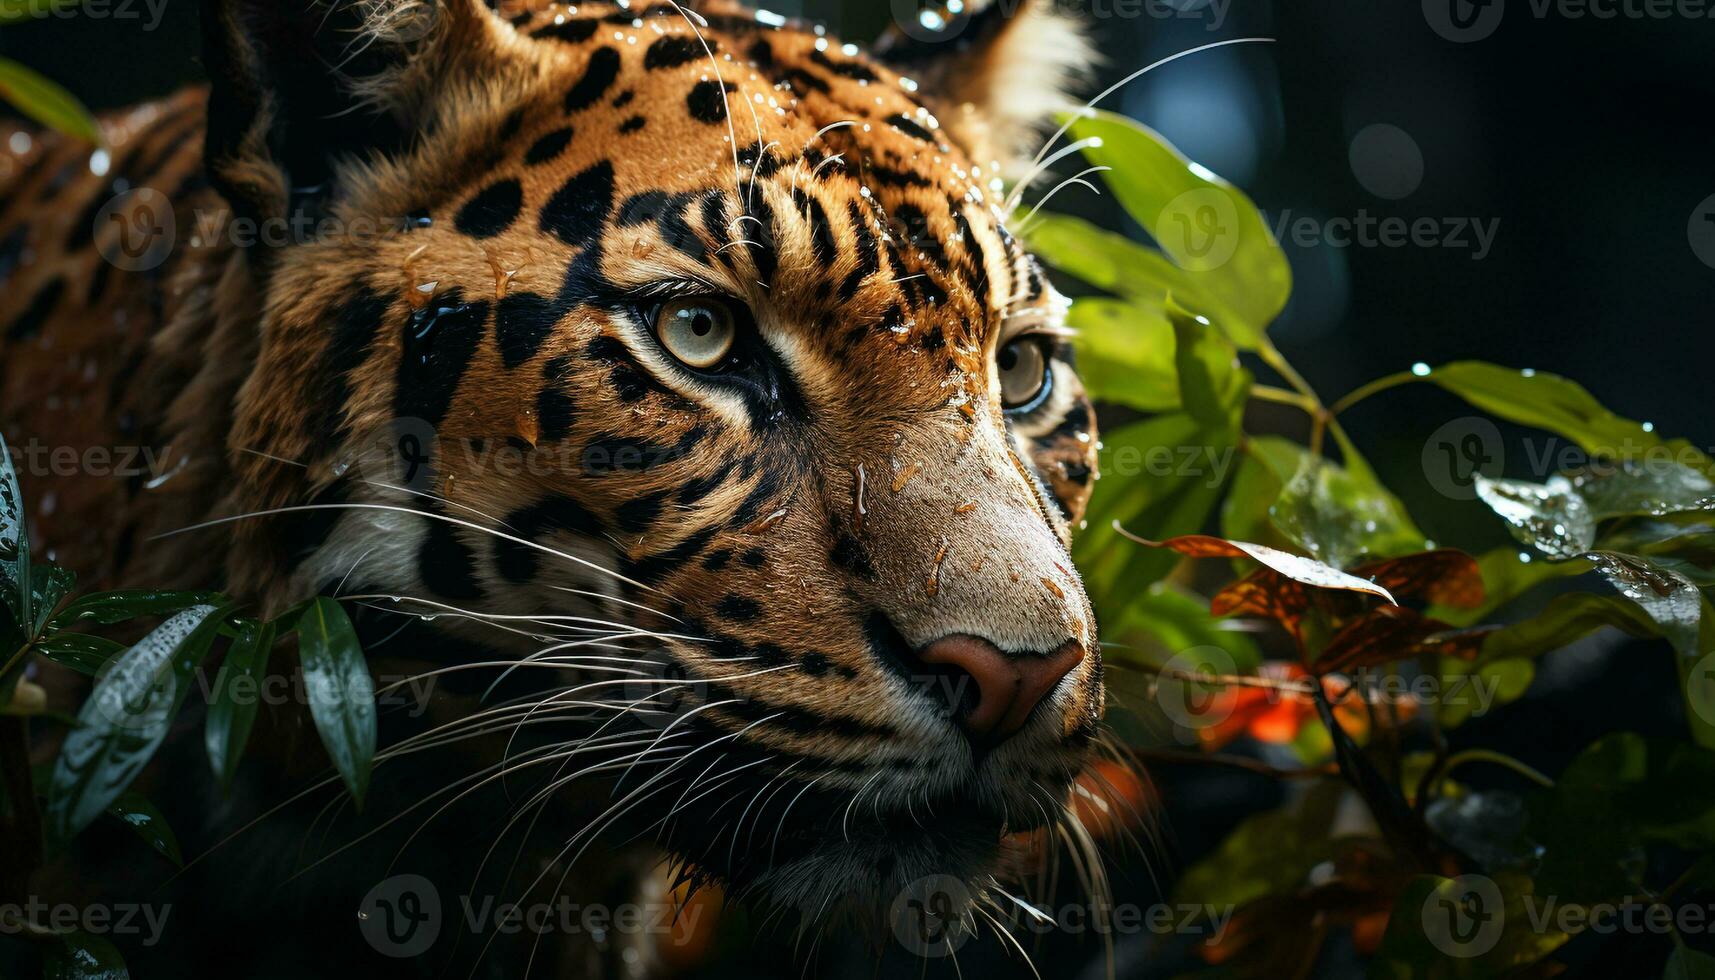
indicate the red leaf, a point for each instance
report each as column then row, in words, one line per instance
column 1391, row 633
column 1296, row 567
column 1445, row 576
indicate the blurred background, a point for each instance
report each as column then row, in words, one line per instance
column 1560, row 169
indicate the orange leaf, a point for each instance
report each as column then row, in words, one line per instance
column 1391, row 633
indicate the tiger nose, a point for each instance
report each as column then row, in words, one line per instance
column 1007, row 686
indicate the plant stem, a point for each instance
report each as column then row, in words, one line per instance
column 1496, row 758
column 1319, row 415
column 1375, row 387
column 1283, row 396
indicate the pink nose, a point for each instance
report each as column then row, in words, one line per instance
column 1008, row 686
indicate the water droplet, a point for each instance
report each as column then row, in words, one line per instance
column 1420, row 369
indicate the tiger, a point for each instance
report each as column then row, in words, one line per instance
column 678, row 352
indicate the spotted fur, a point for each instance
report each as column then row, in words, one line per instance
column 466, row 405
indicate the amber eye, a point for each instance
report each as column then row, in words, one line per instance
column 698, row 331
column 1023, row 365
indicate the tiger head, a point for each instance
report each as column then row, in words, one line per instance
column 686, row 353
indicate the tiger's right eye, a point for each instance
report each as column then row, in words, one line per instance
column 699, row 331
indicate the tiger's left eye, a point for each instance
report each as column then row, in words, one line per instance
column 700, row 332
column 1023, row 365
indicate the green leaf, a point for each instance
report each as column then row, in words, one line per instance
column 46, row 102
column 1507, row 574
column 1472, row 690
column 1669, row 598
column 1212, row 386
column 81, row 652
column 1214, row 234
column 1545, row 401
column 236, row 699
column 1550, row 517
column 12, row 11
column 1468, row 928
column 50, row 584
column 1267, row 854
column 342, row 697
column 1340, row 516
column 1174, row 622
column 1565, row 619
column 1650, row 487
column 125, row 719
column 1620, row 794
column 81, row 956
column 108, row 608
column 14, row 544
column 1685, row 963
column 136, row 812
column 1269, row 462
column 1125, row 353
column 1106, row 260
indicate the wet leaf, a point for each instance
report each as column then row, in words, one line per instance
column 125, row 718
column 135, row 811
column 1295, row 567
column 1545, row 401
column 1210, row 229
column 341, row 694
column 82, row 956
column 109, row 608
column 1551, row 517
column 46, row 101
column 1651, row 487
column 1340, row 516
column 1669, row 598
column 81, row 652
column 50, row 586
column 236, row 698
column 1489, row 827
column 14, row 543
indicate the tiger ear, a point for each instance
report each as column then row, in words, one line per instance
column 298, row 85
column 1000, row 68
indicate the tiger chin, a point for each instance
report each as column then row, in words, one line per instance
column 744, row 437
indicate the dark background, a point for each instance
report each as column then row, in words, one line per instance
column 1589, row 141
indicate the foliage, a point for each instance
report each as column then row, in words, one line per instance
column 1312, row 544
column 138, row 690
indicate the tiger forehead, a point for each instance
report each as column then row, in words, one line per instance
column 873, row 210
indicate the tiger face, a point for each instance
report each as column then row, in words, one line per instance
column 715, row 353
